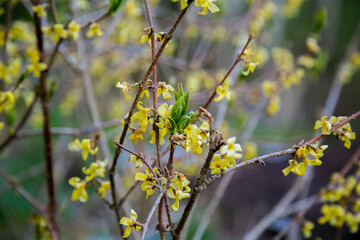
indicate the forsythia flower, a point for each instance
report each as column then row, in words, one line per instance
column 334, row 214
column 74, row 29
column 206, row 4
column 218, row 164
column 94, row 30
column 146, row 36
column 223, row 91
column 86, row 145
column 165, row 90
column 324, row 124
column 162, row 133
column 269, row 88
column 79, row 193
column 273, row 105
column 306, row 228
column 160, row 36
column 137, row 134
column 104, row 186
column 40, row 10
column 137, row 160
column 295, row 167
column 141, row 116
column 148, row 181
column 96, row 169
column 125, row 88
column 312, row 45
column 179, row 189
column 7, row 100
column 59, row 32
column 131, row 223
column 231, row 148
column 183, row 3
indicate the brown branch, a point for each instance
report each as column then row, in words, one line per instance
column 53, row 11
column 215, row 145
column 52, row 213
column 146, row 224
column 284, row 152
column 25, row 194
column 141, row 157
column 237, row 60
column 132, row 109
column 97, row 19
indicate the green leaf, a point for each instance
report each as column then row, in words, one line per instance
column 114, row 5
column 320, row 20
column 10, row 117
column 21, row 79
column 173, row 125
column 177, row 110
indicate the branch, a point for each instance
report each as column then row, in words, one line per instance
column 146, row 224
column 237, row 60
column 25, row 194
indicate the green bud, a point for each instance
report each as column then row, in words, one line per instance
column 114, row 5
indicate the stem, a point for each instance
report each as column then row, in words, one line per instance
column 160, row 219
column 47, row 134
column 198, row 187
column 171, row 158
column 237, row 60
column 146, row 224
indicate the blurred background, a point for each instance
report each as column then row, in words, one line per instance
column 202, row 50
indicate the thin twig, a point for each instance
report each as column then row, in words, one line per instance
column 237, row 60
column 52, row 213
column 25, row 194
column 53, row 10
column 151, row 213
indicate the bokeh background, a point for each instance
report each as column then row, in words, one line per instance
column 202, row 49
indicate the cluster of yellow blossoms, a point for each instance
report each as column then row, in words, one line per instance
column 227, row 156
column 205, row 4
column 344, row 132
column 58, row 31
column 341, row 202
column 95, row 171
column 262, row 16
column 303, row 154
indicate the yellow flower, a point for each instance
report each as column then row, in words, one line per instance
column 312, row 45
column 104, row 186
column 40, row 10
column 59, row 32
column 178, row 195
column 141, row 116
column 162, row 133
column 146, row 36
column 47, row 30
column 346, row 137
column 131, row 223
column 137, row 134
column 218, row 164
column 35, row 66
column 79, row 193
column 269, row 88
column 334, row 214
column 86, row 145
column 295, row 167
column 183, row 3
column 306, row 228
column 325, row 125
column 206, row 4
column 250, row 150
column 160, row 36
column 274, row 105
column 7, row 100
column 306, row 61
column 148, row 181
column 165, row 90
column 250, row 68
column 96, row 169
column 94, row 30
column 145, row 93
column 74, row 29
column 231, row 148
column 223, row 91
column 125, row 88
column 137, row 160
